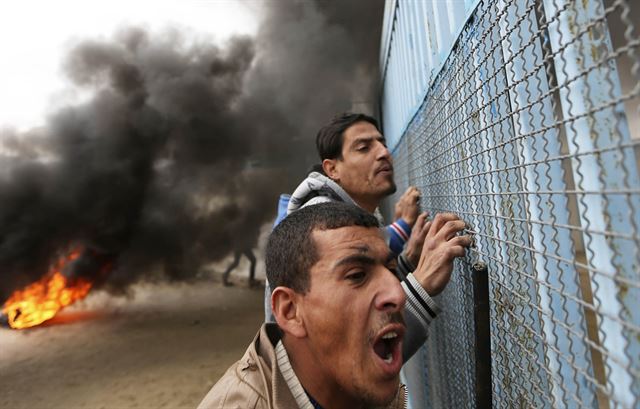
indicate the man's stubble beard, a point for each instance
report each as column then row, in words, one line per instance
column 370, row 401
column 392, row 189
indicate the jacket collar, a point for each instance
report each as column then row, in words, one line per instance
column 262, row 351
column 317, row 184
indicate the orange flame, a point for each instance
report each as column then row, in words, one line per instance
column 41, row 301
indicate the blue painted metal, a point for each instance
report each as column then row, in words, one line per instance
column 613, row 257
column 400, row 102
column 528, row 83
column 498, row 155
column 507, row 285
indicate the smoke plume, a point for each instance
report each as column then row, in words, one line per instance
column 178, row 156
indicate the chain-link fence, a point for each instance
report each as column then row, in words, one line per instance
column 529, row 130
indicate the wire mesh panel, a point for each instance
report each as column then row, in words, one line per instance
column 530, row 131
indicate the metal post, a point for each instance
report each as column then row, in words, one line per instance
column 483, row 335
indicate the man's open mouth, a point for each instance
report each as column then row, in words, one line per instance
column 388, row 347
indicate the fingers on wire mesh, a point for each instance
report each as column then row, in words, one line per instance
column 451, row 229
column 464, row 241
column 441, row 219
column 421, row 221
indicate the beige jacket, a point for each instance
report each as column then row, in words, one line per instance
column 255, row 380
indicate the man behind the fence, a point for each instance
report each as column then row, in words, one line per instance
column 338, row 307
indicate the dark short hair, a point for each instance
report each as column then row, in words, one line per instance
column 330, row 137
column 291, row 251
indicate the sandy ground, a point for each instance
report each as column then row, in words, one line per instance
column 163, row 347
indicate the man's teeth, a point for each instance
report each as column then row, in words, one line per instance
column 390, row 335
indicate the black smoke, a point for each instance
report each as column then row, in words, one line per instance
column 180, row 153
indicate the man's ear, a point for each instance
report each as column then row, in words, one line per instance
column 330, row 167
column 285, row 304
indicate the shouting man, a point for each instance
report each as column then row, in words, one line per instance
column 338, row 307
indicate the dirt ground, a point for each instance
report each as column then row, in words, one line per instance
column 162, row 347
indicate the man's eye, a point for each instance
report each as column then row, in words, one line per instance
column 362, row 148
column 356, row 276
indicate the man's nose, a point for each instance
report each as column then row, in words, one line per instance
column 390, row 297
column 383, row 151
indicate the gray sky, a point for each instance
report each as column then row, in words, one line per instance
column 35, row 35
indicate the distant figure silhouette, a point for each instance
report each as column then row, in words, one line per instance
column 236, row 260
